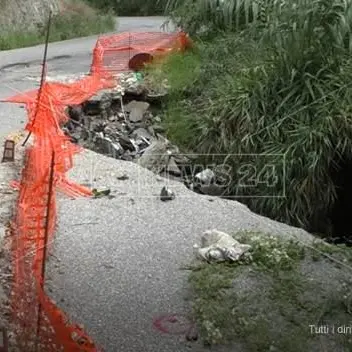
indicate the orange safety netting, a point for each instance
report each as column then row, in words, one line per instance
column 36, row 216
column 113, row 53
column 36, row 213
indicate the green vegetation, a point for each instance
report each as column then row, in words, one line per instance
column 273, row 79
column 132, row 7
column 216, row 16
column 268, row 301
column 77, row 21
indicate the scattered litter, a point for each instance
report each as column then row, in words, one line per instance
column 205, row 177
column 123, row 177
column 166, row 194
column 99, row 194
column 217, row 246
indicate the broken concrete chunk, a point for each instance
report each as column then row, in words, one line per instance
column 151, row 130
column 102, row 95
column 137, row 109
column 127, row 156
column 172, row 167
column 101, row 103
column 108, row 130
column 135, row 116
column 156, row 156
column 97, row 126
column 75, row 112
column 117, row 150
column 166, row 194
column 142, row 133
column 115, row 94
column 127, row 143
column 121, row 115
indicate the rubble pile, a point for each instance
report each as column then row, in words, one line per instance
column 119, row 123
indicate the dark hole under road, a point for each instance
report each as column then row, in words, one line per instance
column 341, row 212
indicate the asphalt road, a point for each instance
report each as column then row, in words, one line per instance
column 118, row 262
column 21, row 68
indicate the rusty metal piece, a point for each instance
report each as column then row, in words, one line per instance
column 4, row 341
column 9, row 151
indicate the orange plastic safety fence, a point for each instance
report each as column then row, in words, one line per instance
column 36, row 216
column 113, row 53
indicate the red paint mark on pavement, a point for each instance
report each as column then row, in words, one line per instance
column 173, row 324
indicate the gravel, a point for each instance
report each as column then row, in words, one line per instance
column 116, row 263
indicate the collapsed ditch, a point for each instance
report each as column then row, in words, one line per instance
column 126, row 126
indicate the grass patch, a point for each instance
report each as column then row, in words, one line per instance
column 266, row 302
column 76, row 21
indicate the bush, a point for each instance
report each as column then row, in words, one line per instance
column 132, row 7
column 218, row 15
column 277, row 87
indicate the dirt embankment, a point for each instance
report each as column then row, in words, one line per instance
column 20, row 14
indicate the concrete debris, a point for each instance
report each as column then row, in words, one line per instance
column 156, row 157
column 142, row 133
column 217, row 246
column 136, row 110
column 172, row 167
column 75, row 112
column 166, row 194
column 127, row 143
column 119, row 123
column 101, row 97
